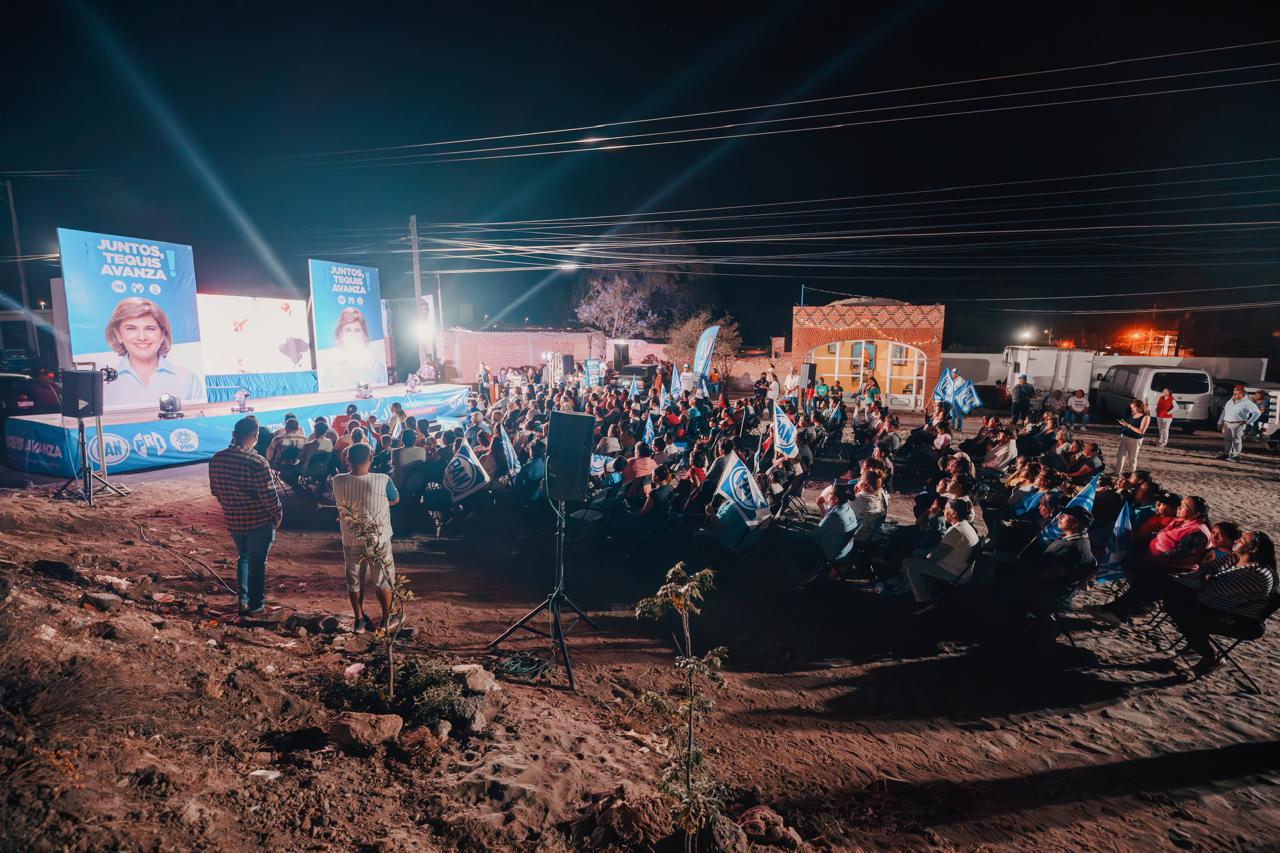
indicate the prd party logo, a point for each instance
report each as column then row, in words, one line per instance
column 184, row 440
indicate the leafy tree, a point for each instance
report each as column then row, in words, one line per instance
column 682, row 340
column 668, row 279
column 613, row 306
column 697, row 796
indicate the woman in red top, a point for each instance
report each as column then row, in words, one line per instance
column 1164, row 415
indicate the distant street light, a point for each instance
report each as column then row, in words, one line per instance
column 1026, row 334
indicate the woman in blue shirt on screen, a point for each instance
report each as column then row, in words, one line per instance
column 354, row 359
column 139, row 333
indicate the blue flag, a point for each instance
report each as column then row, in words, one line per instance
column 784, row 433
column 509, row 451
column 648, row 430
column 1084, row 498
column 945, row 390
column 738, row 487
column 463, row 475
column 1027, row 503
column 675, row 395
column 966, row 397
column 1109, row 567
column 702, row 353
column 599, row 464
column 635, row 388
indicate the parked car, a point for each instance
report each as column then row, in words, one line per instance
column 1192, row 392
column 22, row 395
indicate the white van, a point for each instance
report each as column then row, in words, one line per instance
column 1192, row 392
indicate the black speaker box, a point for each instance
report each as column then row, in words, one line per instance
column 81, row 393
column 569, row 444
column 807, row 372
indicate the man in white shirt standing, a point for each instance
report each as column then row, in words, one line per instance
column 370, row 495
column 949, row 558
column 686, row 379
column 791, row 385
column 1236, row 415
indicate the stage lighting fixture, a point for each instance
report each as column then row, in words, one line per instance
column 170, row 407
column 363, row 392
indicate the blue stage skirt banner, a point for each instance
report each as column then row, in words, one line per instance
column 47, row 445
column 346, row 307
column 222, row 387
column 131, row 305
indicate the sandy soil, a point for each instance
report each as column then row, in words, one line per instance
column 863, row 726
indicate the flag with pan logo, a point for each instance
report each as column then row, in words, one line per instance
column 966, row 397
column 784, row 432
column 945, row 390
column 738, row 486
column 463, row 475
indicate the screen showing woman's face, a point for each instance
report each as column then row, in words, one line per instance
column 352, row 335
column 141, row 337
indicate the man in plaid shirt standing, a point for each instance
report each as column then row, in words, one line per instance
column 242, row 482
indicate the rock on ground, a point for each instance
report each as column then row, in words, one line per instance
column 363, row 732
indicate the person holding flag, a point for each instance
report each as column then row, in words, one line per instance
column 463, row 474
column 784, row 433
column 1045, row 582
column 509, row 452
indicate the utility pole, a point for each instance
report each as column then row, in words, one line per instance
column 417, row 291
column 802, row 294
column 32, row 341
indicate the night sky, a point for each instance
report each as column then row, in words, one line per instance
column 252, row 86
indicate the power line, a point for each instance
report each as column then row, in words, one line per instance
column 783, row 104
column 606, row 142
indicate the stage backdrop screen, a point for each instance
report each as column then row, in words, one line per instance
column 253, row 334
column 346, row 304
column 131, row 305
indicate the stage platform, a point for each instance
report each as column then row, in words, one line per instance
column 138, row 440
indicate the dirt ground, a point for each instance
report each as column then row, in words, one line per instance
column 863, row 726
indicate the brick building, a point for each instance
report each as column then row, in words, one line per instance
column 898, row 343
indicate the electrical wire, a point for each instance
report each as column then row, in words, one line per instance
column 792, row 103
column 812, row 129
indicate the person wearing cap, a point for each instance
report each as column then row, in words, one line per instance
column 242, row 482
column 687, row 379
column 1046, row 581
column 341, row 421
column 1021, row 395
column 1238, row 413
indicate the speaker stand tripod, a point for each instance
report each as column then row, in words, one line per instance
column 86, row 476
column 556, row 601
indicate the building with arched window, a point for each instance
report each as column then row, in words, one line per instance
column 854, row 340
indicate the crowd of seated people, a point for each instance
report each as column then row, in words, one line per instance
column 659, row 461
